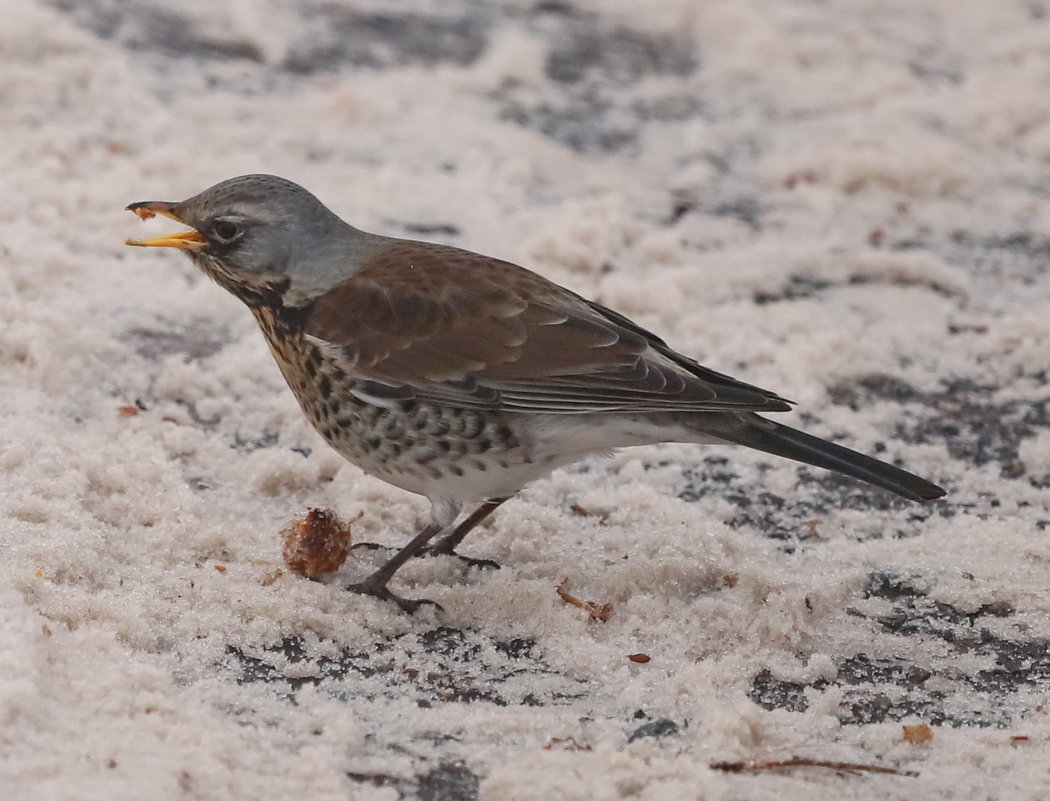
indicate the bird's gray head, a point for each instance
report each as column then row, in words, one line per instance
column 263, row 238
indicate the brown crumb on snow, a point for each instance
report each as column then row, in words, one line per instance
column 583, row 511
column 917, row 734
column 802, row 177
column 594, row 610
column 565, row 743
column 316, row 543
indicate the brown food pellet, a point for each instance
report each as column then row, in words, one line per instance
column 317, row 543
column 918, row 734
column 641, row 659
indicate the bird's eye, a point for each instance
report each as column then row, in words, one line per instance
column 226, row 231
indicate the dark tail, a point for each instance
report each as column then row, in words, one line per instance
column 765, row 435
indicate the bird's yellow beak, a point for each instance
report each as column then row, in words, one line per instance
column 183, row 240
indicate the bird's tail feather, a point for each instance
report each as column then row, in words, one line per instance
column 780, row 440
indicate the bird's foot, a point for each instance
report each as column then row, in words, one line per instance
column 371, row 546
column 409, row 605
column 439, row 549
column 434, row 550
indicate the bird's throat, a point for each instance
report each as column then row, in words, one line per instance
column 266, row 293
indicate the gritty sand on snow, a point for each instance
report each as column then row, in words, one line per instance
column 846, row 203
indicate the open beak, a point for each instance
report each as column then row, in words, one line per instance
column 183, row 240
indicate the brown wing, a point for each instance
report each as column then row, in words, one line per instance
column 437, row 323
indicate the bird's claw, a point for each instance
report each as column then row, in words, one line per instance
column 434, row 550
column 371, row 546
column 470, row 561
column 409, row 605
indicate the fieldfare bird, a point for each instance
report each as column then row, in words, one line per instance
column 458, row 376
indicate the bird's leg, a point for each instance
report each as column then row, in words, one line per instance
column 443, row 513
column 446, row 546
column 376, row 583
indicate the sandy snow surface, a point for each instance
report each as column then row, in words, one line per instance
column 844, row 202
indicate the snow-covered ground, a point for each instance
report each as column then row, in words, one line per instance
column 846, row 203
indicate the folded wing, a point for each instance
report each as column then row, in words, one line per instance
column 435, row 323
